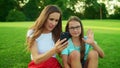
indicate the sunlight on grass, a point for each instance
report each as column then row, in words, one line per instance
column 103, row 28
column 17, row 24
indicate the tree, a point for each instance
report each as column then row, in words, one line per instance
column 31, row 10
column 104, row 11
column 91, row 9
column 5, row 7
column 116, row 14
column 94, row 10
column 15, row 15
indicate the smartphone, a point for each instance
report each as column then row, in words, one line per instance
column 65, row 35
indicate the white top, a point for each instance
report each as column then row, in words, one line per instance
column 44, row 42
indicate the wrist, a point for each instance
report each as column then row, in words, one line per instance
column 93, row 43
column 54, row 50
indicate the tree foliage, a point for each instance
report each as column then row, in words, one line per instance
column 94, row 10
column 15, row 15
column 31, row 10
column 116, row 14
column 5, row 7
column 104, row 11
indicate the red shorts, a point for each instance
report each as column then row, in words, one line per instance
column 50, row 63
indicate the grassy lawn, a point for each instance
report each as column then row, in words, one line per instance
column 12, row 42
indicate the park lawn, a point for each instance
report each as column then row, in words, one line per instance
column 14, row 55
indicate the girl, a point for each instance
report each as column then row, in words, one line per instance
column 77, row 54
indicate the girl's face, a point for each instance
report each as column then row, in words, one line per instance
column 74, row 28
column 51, row 22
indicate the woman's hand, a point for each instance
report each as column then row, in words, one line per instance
column 60, row 45
column 90, row 37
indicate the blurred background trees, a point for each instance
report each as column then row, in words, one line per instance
column 29, row 10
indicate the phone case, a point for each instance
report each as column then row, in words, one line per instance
column 64, row 35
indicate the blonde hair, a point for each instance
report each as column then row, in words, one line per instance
column 40, row 22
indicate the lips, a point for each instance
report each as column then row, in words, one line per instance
column 75, row 33
column 51, row 26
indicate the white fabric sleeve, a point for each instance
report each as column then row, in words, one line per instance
column 30, row 33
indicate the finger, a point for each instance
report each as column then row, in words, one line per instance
column 83, row 39
column 63, row 47
column 61, row 41
column 91, row 31
column 65, row 43
column 58, row 42
column 88, row 32
column 92, row 34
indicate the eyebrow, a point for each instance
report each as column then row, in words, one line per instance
column 53, row 18
column 75, row 26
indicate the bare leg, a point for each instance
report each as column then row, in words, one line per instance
column 75, row 59
column 92, row 59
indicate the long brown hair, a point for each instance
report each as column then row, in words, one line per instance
column 40, row 22
column 75, row 18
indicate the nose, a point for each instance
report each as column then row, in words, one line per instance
column 75, row 30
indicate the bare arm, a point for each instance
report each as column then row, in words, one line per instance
column 98, row 49
column 38, row 58
column 90, row 41
column 65, row 61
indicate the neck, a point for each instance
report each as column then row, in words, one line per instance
column 76, row 41
column 46, row 31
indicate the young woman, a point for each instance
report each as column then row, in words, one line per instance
column 43, row 39
column 78, row 53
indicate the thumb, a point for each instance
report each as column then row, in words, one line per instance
column 83, row 39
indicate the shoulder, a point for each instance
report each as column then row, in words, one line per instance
column 30, row 32
column 70, row 41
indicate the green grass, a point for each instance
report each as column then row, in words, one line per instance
column 12, row 40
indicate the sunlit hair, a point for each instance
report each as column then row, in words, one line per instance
column 75, row 18
column 38, row 27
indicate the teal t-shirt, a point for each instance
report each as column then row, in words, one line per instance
column 71, row 48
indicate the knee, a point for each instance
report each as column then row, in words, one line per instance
column 74, row 55
column 93, row 54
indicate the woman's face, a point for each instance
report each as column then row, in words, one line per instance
column 51, row 22
column 74, row 28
